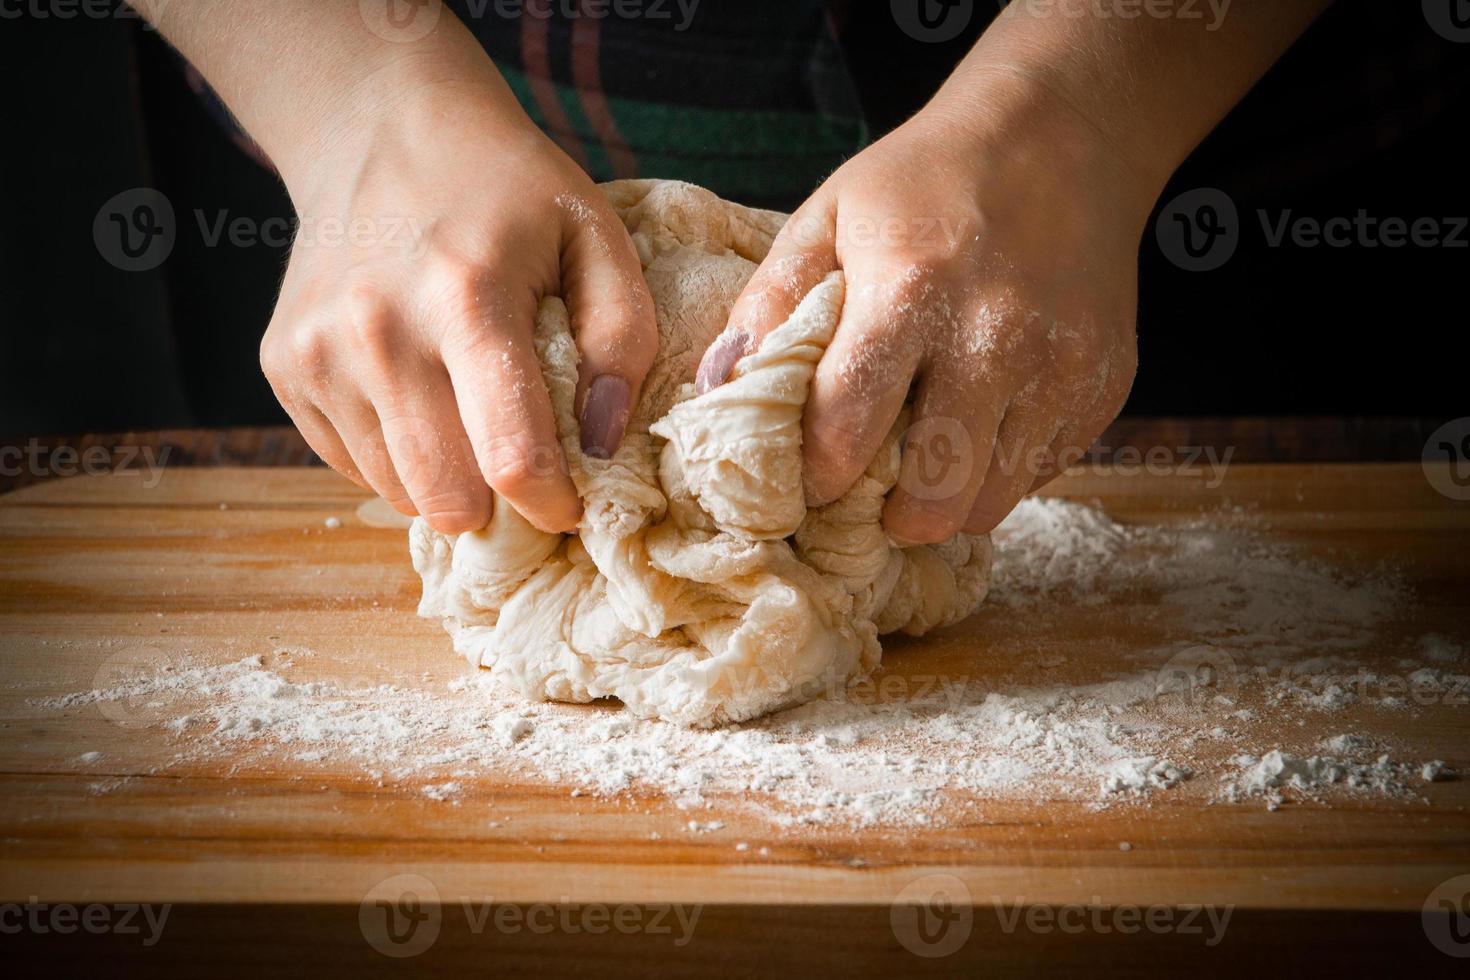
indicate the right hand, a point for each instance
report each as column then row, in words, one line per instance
column 402, row 345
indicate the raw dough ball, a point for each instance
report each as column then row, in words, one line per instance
column 699, row 587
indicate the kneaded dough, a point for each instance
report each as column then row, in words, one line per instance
column 699, row 588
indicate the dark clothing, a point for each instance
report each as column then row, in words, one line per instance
column 759, row 100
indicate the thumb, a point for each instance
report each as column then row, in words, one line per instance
column 804, row 253
column 613, row 321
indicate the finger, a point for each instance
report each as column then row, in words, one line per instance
column 1021, row 444
column 1061, row 455
column 859, row 389
column 1074, row 442
column 296, row 371
column 324, row 441
column 613, row 321
column 1068, row 449
column 361, row 432
column 948, row 449
column 506, row 413
column 804, row 253
column 423, row 443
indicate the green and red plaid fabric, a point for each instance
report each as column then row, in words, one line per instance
column 758, row 100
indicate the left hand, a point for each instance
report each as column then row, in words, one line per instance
column 990, row 260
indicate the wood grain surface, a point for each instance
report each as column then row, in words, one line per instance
column 221, row 563
column 30, row 459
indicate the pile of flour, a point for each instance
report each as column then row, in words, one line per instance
column 1257, row 645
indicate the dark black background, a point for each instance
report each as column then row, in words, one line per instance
column 1369, row 111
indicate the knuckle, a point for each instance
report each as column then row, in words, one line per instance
column 367, row 316
column 619, row 330
column 516, row 468
column 275, row 360
column 1122, row 368
column 459, row 290
column 455, row 511
column 987, row 514
column 1076, row 357
column 917, row 523
column 835, row 442
column 915, row 276
column 296, row 356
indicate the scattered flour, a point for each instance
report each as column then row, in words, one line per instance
column 1142, row 775
column 1277, row 773
column 1435, row 772
column 1248, row 637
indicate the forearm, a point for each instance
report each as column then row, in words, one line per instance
column 301, row 76
column 1149, row 87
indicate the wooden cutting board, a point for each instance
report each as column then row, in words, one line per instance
column 229, row 562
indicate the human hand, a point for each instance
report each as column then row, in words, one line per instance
column 991, row 267
column 402, row 342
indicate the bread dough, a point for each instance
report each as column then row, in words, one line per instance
column 699, row 587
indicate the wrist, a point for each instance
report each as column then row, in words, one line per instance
column 405, row 99
column 1019, row 126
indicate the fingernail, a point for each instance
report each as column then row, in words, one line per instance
column 720, row 360
column 604, row 416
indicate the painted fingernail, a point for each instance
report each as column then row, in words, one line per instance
column 720, row 360
column 605, row 416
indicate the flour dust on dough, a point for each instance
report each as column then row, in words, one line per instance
column 699, row 587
